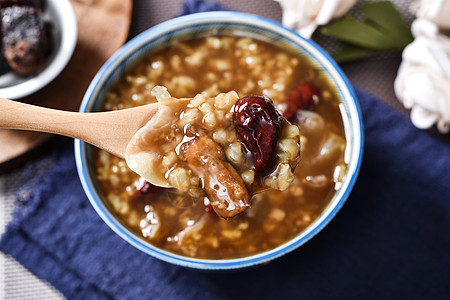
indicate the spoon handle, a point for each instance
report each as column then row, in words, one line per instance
column 110, row 131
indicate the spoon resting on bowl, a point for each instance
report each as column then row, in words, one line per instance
column 225, row 148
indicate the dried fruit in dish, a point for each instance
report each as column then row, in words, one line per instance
column 26, row 36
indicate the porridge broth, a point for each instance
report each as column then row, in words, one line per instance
column 209, row 66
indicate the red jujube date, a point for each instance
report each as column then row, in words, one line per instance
column 146, row 190
column 257, row 125
column 304, row 96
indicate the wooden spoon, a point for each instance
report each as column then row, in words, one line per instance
column 110, row 131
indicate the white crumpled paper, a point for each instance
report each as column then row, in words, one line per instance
column 423, row 79
column 305, row 15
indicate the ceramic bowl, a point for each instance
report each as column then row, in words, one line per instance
column 246, row 25
column 64, row 23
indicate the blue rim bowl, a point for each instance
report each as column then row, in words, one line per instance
column 222, row 23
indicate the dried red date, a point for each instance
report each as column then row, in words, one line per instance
column 146, row 190
column 209, row 209
column 257, row 125
column 303, row 96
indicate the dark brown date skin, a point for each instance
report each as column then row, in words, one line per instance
column 304, row 96
column 257, row 124
column 145, row 191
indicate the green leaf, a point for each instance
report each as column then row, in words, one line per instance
column 385, row 15
column 357, row 33
column 381, row 28
column 388, row 19
column 352, row 53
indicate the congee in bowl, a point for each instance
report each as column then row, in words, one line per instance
column 227, row 59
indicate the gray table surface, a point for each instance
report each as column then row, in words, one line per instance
column 375, row 75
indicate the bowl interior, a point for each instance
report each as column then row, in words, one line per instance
column 222, row 23
column 64, row 25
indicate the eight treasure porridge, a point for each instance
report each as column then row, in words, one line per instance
column 231, row 67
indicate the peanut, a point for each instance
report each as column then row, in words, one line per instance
column 224, row 187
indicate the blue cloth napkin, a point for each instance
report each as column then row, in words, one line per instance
column 195, row 6
column 390, row 240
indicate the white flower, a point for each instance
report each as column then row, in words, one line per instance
column 305, row 15
column 436, row 11
column 423, row 79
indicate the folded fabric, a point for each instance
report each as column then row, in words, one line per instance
column 195, row 6
column 390, row 240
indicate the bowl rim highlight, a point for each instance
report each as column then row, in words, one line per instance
column 352, row 119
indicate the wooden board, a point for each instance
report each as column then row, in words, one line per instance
column 103, row 27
